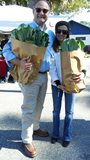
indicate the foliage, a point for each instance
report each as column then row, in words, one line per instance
column 57, row 6
column 18, row 2
column 60, row 6
column 26, row 33
column 71, row 45
column 85, row 23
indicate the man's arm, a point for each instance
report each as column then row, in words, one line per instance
column 11, row 58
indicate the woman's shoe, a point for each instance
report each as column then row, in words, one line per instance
column 54, row 140
column 65, row 143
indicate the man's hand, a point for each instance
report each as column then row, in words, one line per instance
column 26, row 64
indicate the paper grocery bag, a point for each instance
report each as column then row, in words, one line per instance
column 72, row 63
column 35, row 53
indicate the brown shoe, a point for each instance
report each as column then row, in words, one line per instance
column 29, row 150
column 41, row 133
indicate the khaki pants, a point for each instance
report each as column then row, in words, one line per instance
column 33, row 100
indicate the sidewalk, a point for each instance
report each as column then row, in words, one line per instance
column 10, row 126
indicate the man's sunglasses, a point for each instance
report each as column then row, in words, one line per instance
column 62, row 31
column 38, row 10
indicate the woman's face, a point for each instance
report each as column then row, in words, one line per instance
column 61, row 33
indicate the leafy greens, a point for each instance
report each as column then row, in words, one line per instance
column 26, row 33
column 71, row 45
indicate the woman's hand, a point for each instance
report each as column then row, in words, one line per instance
column 78, row 78
column 62, row 88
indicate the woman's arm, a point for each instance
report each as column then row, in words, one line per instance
column 53, row 68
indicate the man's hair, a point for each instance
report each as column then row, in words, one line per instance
column 36, row 1
column 32, row 4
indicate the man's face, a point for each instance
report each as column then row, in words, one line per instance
column 41, row 12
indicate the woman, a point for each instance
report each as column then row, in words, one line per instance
column 62, row 32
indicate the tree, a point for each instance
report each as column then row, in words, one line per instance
column 57, row 6
column 17, row 2
column 61, row 6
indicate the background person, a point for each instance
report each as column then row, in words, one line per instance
column 10, row 78
column 58, row 89
column 34, row 93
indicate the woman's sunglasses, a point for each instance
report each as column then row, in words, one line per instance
column 62, row 31
column 38, row 10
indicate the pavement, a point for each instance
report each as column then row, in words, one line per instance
column 10, row 126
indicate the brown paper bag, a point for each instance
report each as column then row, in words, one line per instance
column 72, row 63
column 22, row 50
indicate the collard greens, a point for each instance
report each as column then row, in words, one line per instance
column 26, row 33
column 71, row 45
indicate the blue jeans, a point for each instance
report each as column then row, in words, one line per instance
column 69, row 106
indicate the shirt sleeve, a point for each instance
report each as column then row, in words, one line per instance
column 8, row 54
column 53, row 68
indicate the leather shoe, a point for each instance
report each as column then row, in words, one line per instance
column 30, row 150
column 41, row 133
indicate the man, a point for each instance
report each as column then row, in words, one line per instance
column 34, row 93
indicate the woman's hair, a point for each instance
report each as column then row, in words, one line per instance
column 56, row 42
column 62, row 23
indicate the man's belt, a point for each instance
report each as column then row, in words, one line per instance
column 43, row 72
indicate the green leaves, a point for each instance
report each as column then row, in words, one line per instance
column 41, row 38
column 26, row 33
column 71, row 45
column 81, row 44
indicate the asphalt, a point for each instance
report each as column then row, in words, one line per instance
column 10, row 126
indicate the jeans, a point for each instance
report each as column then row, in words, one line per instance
column 69, row 106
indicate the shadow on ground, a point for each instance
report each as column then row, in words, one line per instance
column 10, row 136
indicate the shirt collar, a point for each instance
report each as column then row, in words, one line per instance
column 45, row 27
